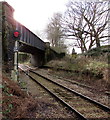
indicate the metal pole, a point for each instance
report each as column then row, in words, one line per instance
column 16, row 57
column 16, row 35
column 16, row 61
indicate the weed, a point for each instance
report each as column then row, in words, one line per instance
column 96, row 67
column 22, row 84
column 8, row 110
column 1, row 86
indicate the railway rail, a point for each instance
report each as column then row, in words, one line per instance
column 64, row 79
column 83, row 106
column 73, row 81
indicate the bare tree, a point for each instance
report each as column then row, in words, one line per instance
column 54, row 32
column 86, row 23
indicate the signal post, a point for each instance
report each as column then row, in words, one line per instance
column 15, row 74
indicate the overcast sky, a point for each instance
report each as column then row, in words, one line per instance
column 34, row 14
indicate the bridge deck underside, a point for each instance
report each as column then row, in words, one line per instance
column 29, row 49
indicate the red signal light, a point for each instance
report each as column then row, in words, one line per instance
column 16, row 34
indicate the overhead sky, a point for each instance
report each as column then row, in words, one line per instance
column 34, row 14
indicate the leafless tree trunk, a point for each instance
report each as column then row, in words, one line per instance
column 86, row 23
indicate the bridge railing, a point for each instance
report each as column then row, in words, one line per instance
column 29, row 38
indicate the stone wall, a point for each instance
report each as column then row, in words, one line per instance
column 8, row 25
column 51, row 54
column 0, row 38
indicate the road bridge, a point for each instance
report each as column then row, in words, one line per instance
column 28, row 41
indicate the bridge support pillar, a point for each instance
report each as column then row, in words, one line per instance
column 37, row 59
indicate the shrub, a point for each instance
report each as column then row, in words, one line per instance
column 96, row 67
column 94, row 52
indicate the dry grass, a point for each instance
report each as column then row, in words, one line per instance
column 92, row 71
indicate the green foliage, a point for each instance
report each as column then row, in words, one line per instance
column 6, row 90
column 51, row 54
column 98, row 51
column 8, row 110
column 1, row 86
column 10, row 106
column 23, row 85
column 82, row 65
column 96, row 66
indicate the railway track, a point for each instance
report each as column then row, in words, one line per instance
column 71, row 71
column 90, row 88
column 70, row 81
column 83, row 106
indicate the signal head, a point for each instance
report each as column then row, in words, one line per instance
column 16, row 35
